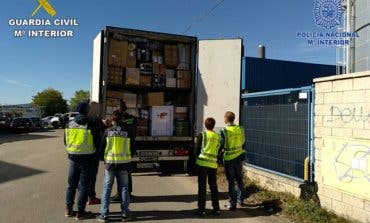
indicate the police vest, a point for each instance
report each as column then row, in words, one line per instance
column 79, row 139
column 210, row 146
column 118, row 147
column 234, row 140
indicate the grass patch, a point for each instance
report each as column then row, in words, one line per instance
column 290, row 207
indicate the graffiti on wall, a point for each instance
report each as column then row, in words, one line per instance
column 349, row 114
column 346, row 165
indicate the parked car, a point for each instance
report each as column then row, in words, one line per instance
column 67, row 117
column 5, row 120
column 46, row 121
column 55, row 121
column 21, row 125
column 37, row 123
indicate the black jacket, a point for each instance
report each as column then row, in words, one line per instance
column 83, row 120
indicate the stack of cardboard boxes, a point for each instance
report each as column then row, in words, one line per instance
column 149, row 64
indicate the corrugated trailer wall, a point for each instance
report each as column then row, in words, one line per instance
column 268, row 74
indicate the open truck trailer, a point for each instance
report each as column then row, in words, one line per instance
column 170, row 83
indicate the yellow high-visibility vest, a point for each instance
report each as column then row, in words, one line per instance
column 209, row 152
column 118, row 147
column 234, row 141
column 79, row 139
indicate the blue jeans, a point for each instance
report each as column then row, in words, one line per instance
column 78, row 178
column 234, row 173
column 122, row 181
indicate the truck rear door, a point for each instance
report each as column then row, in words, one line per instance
column 97, row 68
column 218, row 80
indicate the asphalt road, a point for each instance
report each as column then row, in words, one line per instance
column 33, row 171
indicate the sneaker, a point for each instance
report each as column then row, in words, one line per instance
column 127, row 217
column 82, row 215
column 200, row 213
column 102, row 218
column 68, row 212
column 242, row 204
column 216, row 212
column 230, row 207
column 94, row 200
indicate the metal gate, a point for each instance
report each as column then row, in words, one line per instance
column 279, row 131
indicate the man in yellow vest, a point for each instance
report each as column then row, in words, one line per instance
column 116, row 145
column 232, row 142
column 81, row 138
column 207, row 153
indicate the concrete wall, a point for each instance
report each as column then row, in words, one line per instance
column 342, row 143
column 273, row 182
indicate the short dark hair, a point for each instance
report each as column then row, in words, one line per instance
column 117, row 116
column 210, row 123
column 230, row 116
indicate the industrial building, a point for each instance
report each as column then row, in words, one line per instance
column 23, row 110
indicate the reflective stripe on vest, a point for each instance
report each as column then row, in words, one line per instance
column 79, row 139
column 118, row 148
column 210, row 146
column 234, row 140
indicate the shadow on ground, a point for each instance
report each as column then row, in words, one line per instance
column 155, row 215
column 9, row 172
column 188, row 198
column 14, row 137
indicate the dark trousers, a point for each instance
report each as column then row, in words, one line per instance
column 234, row 173
column 78, row 178
column 94, row 171
column 203, row 173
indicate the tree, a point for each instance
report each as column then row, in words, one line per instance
column 50, row 101
column 80, row 96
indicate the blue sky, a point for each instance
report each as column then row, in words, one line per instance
column 31, row 65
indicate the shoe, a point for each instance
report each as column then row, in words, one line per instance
column 82, row 215
column 68, row 212
column 102, row 218
column 115, row 198
column 94, row 200
column 200, row 213
column 127, row 217
column 242, row 204
column 216, row 212
column 230, row 207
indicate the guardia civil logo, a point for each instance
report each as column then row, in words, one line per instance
column 46, row 6
column 328, row 13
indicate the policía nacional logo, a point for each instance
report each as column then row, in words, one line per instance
column 46, row 6
column 328, row 13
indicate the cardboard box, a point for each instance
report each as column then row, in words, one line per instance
column 162, row 69
column 113, row 102
column 131, row 59
column 114, row 75
column 161, row 121
column 158, row 81
column 145, row 80
column 130, row 99
column 157, row 57
column 171, row 82
column 132, row 76
column 117, row 53
column 170, row 55
column 170, row 73
column 181, row 109
column 115, row 94
column 184, row 56
column 183, row 83
column 155, row 99
column 183, row 74
column 155, row 68
column 140, row 101
column 133, row 111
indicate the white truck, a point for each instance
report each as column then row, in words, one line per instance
column 215, row 67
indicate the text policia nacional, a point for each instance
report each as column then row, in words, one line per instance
column 38, row 27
